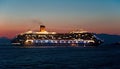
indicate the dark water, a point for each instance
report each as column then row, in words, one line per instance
column 60, row 58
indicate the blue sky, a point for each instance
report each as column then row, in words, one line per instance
column 59, row 7
column 87, row 14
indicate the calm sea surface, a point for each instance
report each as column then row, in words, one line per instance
column 59, row 58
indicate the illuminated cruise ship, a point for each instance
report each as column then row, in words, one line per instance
column 44, row 38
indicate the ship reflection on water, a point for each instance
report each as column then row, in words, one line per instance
column 54, row 46
column 51, row 57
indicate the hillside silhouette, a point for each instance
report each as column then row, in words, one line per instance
column 109, row 39
column 4, row 40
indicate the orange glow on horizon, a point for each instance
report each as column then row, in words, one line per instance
column 10, row 28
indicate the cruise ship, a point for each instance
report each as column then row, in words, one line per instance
column 45, row 38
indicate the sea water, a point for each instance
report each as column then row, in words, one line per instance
column 12, row 57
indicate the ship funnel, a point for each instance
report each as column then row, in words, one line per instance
column 42, row 28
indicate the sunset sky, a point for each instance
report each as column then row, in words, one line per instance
column 100, row 16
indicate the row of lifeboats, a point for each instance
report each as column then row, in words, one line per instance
column 58, row 41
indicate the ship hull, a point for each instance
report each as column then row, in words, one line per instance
column 57, row 43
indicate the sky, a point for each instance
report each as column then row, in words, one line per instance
column 99, row 16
